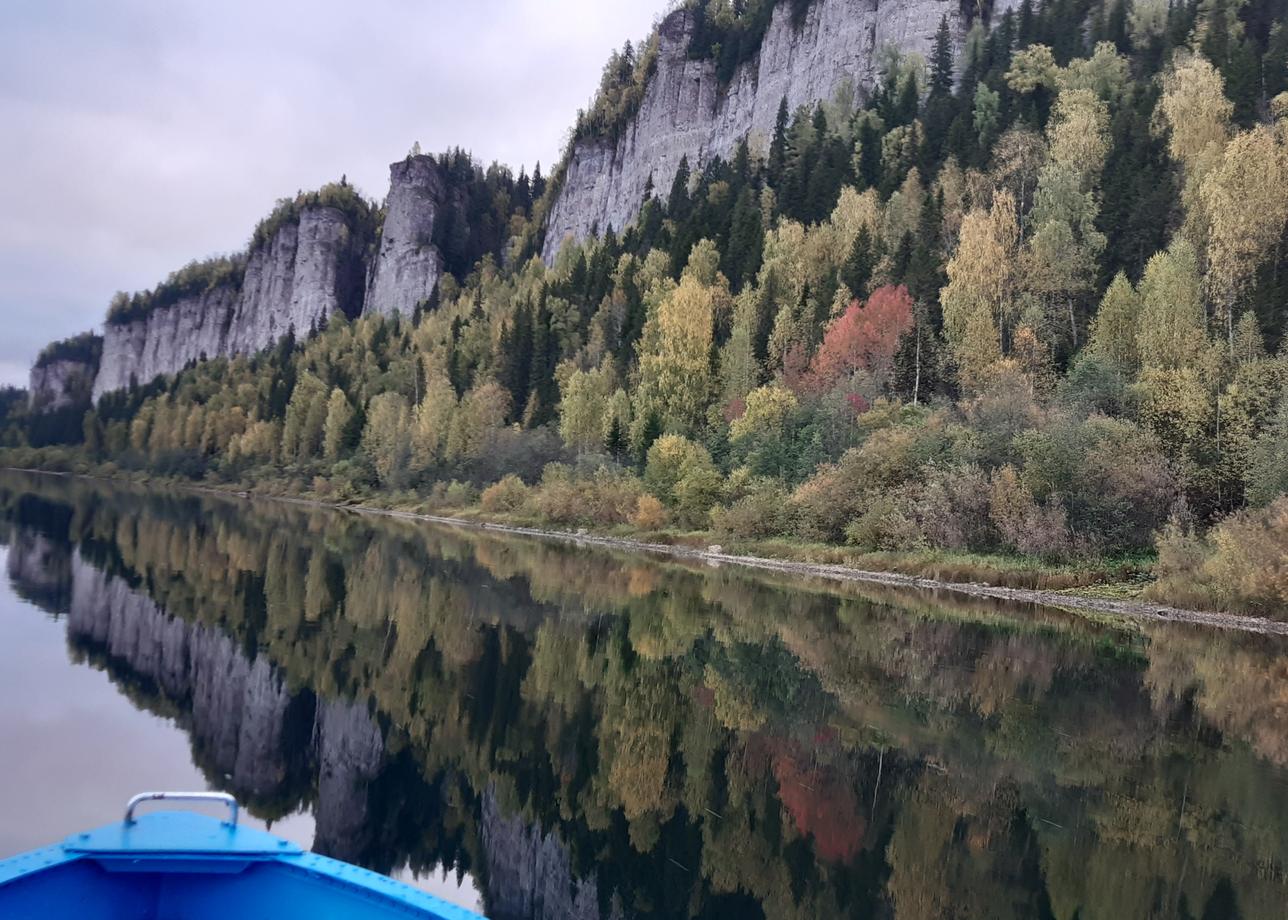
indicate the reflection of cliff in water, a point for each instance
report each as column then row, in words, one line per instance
column 39, row 563
column 249, row 732
column 594, row 734
column 276, row 748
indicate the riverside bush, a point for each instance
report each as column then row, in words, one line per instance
column 1242, row 563
column 504, row 496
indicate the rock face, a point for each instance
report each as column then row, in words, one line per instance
column 408, row 266
column 60, row 384
column 686, row 112
column 308, row 270
column 165, row 340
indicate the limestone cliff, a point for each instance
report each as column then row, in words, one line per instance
column 687, row 112
column 408, row 265
column 165, row 340
column 63, row 375
column 308, row 269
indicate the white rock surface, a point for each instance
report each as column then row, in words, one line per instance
column 59, row 384
column 165, row 340
column 299, row 278
column 408, row 267
column 686, row 113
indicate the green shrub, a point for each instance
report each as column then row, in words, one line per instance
column 885, row 524
column 762, row 512
column 605, row 497
column 1242, row 564
column 504, row 496
column 460, row 494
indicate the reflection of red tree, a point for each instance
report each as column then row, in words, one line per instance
column 823, row 805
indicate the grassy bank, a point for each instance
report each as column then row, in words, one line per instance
column 1121, row 578
column 1093, row 602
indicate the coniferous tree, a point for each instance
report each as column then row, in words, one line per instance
column 869, row 166
column 678, row 203
column 939, row 102
column 543, row 391
column 778, row 146
column 741, row 257
column 857, row 270
column 615, row 439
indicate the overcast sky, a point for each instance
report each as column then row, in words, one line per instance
column 140, row 134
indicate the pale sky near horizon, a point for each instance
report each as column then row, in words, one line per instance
column 140, row 134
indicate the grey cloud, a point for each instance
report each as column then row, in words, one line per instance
column 140, row 135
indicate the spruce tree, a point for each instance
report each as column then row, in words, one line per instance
column 941, row 61
column 615, row 440
column 939, row 103
column 869, row 167
column 543, row 391
column 778, row 146
column 741, row 258
column 677, row 203
column 857, row 270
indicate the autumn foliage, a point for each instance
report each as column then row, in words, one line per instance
column 865, row 337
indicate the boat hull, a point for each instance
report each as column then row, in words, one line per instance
column 183, row 866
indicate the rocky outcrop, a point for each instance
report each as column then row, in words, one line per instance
column 529, row 872
column 310, row 268
column 687, row 112
column 408, row 266
column 63, row 375
column 306, row 272
column 60, row 385
column 165, row 340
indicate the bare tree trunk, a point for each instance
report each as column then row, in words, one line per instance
column 916, row 380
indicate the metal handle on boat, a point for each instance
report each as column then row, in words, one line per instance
column 221, row 797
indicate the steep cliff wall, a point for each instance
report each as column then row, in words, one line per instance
column 408, row 266
column 165, row 340
column 63, row 375
column 60, row 384
column 686, row 112
column 310, row 268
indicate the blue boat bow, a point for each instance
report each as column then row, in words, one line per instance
column 178, row 865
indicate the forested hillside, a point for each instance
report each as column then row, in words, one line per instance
column 1029, row 299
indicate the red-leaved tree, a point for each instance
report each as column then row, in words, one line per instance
column 864, row 337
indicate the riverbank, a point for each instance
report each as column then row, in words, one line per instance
column 1088, row 599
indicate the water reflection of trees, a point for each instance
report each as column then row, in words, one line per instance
column 703, row 740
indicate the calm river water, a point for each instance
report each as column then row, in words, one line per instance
column 535, row 729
